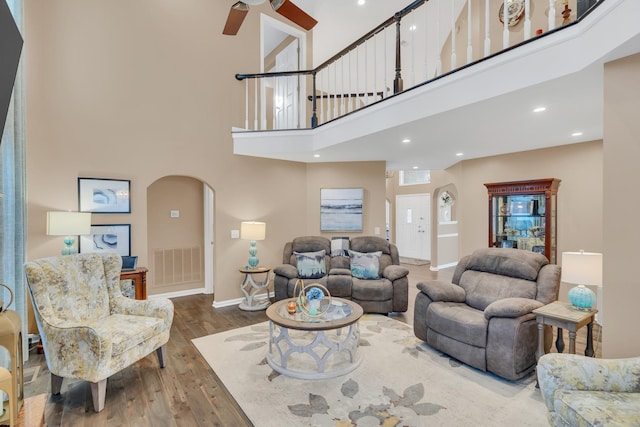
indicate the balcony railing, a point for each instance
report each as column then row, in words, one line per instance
column 421, row 43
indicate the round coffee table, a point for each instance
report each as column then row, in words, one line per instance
column 307, row 347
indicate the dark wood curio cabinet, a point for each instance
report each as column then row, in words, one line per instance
column 523, row 215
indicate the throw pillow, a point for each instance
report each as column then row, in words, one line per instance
column 311, row 265
column 339, row 246
column 365, row 265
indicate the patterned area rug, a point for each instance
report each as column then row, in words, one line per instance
column 400, row 382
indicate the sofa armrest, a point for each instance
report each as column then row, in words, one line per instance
column 558, row 371
column 438, row 290
column 511, row 307
column 339, row 272
column 395, row 272
column 286, row 270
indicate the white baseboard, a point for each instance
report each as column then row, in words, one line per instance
column 440, row 267
column 179, row 293
column 237, row 301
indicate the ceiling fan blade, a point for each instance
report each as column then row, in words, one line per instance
column 292, row 12
column 236, row 15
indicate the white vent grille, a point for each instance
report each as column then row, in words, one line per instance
column 177, row 266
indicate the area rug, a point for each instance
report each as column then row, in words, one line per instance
column 400, row 382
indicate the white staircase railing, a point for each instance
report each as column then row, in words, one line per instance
column 418, row 44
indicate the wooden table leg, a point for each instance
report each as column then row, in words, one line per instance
column 572, row 342
column 560, row 341
column 540, row 351
column 589, row 350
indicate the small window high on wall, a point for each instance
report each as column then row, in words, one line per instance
column 414, row 177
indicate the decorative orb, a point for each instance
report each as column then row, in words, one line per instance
column 582, row 298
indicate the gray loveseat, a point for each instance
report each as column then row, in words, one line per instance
column 387, row 290
column 484, row 318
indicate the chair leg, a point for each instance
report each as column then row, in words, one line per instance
column 56, row 384
column 162, row 355
column 98, row 393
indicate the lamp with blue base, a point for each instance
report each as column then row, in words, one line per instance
column 253, row 231
column 582, row 268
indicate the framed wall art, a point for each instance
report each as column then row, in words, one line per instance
column 102, row 195
column 341, row 209
column 107, row 238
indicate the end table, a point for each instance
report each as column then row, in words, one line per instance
column 564, row 316
column 251, row 287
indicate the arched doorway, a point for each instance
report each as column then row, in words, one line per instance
column 180, row 220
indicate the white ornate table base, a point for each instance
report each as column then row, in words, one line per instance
column 316, row 354
column 251, row 287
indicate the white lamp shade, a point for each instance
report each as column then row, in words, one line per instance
column 252, row 230
column 582, row 268
column 68, row 223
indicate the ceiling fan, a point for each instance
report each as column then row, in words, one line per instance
column 285, row 8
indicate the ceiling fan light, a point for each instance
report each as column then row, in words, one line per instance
column 275, row 4
column 240, row 6
column 253, row 2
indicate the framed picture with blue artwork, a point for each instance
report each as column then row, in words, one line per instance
column 107, row 238
column 102, row 195
column 341, row 209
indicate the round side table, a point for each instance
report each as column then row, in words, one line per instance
column 251, row 287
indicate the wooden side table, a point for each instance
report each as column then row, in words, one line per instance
column 139, row 278
column 251, row 287
column 564, row 316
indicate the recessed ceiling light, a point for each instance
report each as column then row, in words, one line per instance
column 415, row 167
column 316, row 155
column 361, row 2
column 413, row 27
column 539, row 109
column 459, row 154
column 406, row 141
column 576, row 134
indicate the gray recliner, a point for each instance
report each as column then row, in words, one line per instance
column 484, row 318
column 388, row 293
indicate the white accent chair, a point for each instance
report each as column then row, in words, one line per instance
column 89, row 330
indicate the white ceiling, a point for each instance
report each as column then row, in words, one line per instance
column 488, row 111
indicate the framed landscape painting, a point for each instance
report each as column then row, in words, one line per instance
column 101, row 195
column 341, row 209
column 107, row 238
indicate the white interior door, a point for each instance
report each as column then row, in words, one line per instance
column 286, row 89
column 413, row 231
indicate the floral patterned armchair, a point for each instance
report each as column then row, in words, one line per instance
column 89, row 330
column 583, row 391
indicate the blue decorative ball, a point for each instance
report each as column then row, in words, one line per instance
column 582, row 297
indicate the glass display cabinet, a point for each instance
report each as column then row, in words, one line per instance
column 522, row 215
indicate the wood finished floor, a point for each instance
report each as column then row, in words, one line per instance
column 187, row 392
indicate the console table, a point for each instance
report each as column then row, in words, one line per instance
column 139, row 278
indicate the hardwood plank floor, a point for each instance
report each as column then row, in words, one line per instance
column 186, row 392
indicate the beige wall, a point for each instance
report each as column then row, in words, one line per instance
column 621, row 236
column 140, row 91
column 579, row 166
column 368, row 175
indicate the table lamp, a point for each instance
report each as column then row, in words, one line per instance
column 68, row 224
column 582, row 268
column 252, row 231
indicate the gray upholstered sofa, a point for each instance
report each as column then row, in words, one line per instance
column 385, row 290
column 484, row 318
